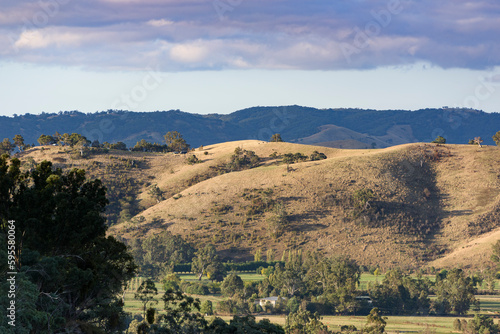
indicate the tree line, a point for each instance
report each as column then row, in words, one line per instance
column 174, row 142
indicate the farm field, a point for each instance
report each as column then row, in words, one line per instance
column 490, row 305
column 395, row 324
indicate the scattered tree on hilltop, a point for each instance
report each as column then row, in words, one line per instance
column 317, row 156
column 46, row 140
column 439, row 140
column 175, row 142
column 476, row 141
column 144, row 146
column 6, row 146
column 496, row 138
column 121, row 146
column 242, row 159
column 19, row 142
column 276, row 138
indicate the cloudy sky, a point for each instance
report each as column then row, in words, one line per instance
column 207, row 56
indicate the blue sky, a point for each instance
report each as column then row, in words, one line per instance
column 207, row 56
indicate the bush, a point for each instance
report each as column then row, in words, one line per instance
column 232, row 306
column 255, row 308
column 439, row 140
column 317, row 156
column 293, row 305
column 195, row 288
column 207, row 307
column 192, row 159
column 232, row 285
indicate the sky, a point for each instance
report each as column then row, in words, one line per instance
column 218, row 56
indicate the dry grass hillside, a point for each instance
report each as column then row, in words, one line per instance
column 406, row 206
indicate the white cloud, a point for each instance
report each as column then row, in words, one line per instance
column 160, row 23
column 189, row 53
column 43, row 38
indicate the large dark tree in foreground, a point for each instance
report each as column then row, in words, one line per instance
column 74, row 273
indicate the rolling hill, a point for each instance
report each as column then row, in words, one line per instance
column 404, row 206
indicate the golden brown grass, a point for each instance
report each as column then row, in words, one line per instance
column 460, row 185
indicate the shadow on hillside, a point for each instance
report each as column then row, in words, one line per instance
column 458, row 213
column 157, row 223
column 309, row 227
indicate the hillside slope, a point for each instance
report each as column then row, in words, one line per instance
column 428, row 201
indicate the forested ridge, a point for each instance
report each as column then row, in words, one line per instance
column 295, row 123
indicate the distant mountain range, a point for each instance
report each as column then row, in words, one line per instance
column 341, row 128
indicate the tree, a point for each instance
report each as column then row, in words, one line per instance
column 6, row 146
column 375, row 323
column 242, row 159
column 46, row 140
column 279, row 220
column 257, row 256
column 146, row 293
column 304, row 322
column 317, row 156
column 480, row 324
column 335, row 279
column 495, row 257
column 276, row 138
column 175, row 142
column 439, row 140
column 119, row 146
column 158, row 253
column 232, row 285
column 182, row 314
column 78, row 273
column 155, row 192
column 204, row 259
column 478, row 141
column 496, row 138
column 19, row 142
column 455, row 293
column 291, row 278
column 401, row 294
column 207, row 307
column 216, row 271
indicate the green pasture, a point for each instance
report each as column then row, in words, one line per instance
column 490, row 305
column 395, row 324
column 244, row 277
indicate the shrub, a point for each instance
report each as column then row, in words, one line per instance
column 192, row 159
column 207, row 307
column 317, row 156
